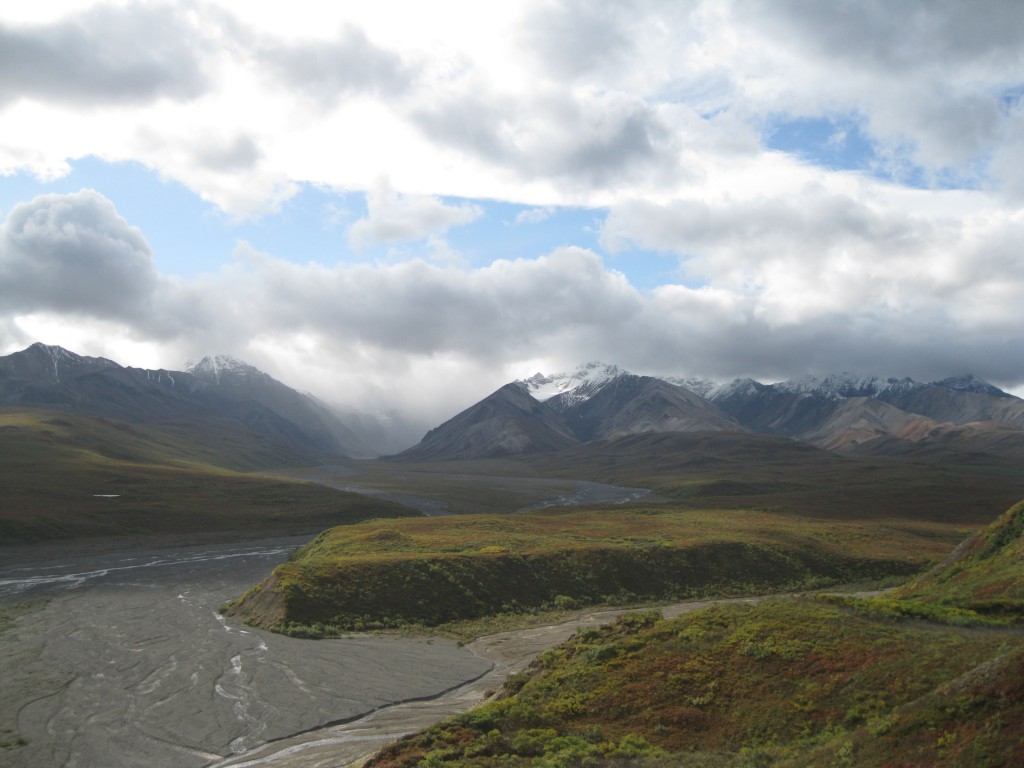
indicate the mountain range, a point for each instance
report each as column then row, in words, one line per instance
column 218, row 391
column 846, row 413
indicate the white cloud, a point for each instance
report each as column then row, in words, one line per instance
column 643, row 99
column 653, row 110
column 393, row 217
column 105, row 55
column 535, row 215
column 833, row 283
column 74, row 254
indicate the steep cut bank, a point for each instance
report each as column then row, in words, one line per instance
column 429, row 571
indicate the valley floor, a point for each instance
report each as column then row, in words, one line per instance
column 122, row 659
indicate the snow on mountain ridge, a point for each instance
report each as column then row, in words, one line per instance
column 696, row 384
column 69, row 360
column 745, row 387
column 837, row 386
column 584, row 381
column 214, row 365
column 588, row 378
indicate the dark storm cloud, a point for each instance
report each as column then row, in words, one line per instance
column 74, row 254
column 417, row 308
column 105, row 55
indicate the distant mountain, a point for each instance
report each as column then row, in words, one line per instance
column 626, row 404
column 45, row 376
column 572, row 387
column 849, row 413
column 226, row 381
column 508, row 421
column 548, row 413
column 844, row 412
column 215, row 390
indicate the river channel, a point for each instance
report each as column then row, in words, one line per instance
column 120, row 658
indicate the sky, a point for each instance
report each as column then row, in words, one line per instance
column 401, row 205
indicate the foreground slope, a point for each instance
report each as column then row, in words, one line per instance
column 792, row 682
column 983, row 578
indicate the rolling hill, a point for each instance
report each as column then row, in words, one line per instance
column 66, row 475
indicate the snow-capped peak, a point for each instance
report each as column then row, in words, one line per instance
column 586, row 379
column 743, row 387
column 837, row 386
column 63, row 361
column 969, row 383
column 214, row 366
column 696, row 384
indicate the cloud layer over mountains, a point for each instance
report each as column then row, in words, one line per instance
column 891, row 245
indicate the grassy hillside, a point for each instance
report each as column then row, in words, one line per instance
column 785, row 683
column 433, row 570
column 740, row 686
column 64, row 476
column 981, row 583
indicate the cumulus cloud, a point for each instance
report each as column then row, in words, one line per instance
column 534, row 215
column 927, row 77
column 74, row 254
column 104, row 55
column 579, row 38
column 551, row 103
column 829, row 281
column 393, row 217
column 655, row 112
column 939, row 298
column 584, row 141
column 329, row 71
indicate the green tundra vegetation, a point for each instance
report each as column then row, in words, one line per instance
column 788, row 682
column 980, row 584
column 730, row 515
column 433, row 570
column 69, row 476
